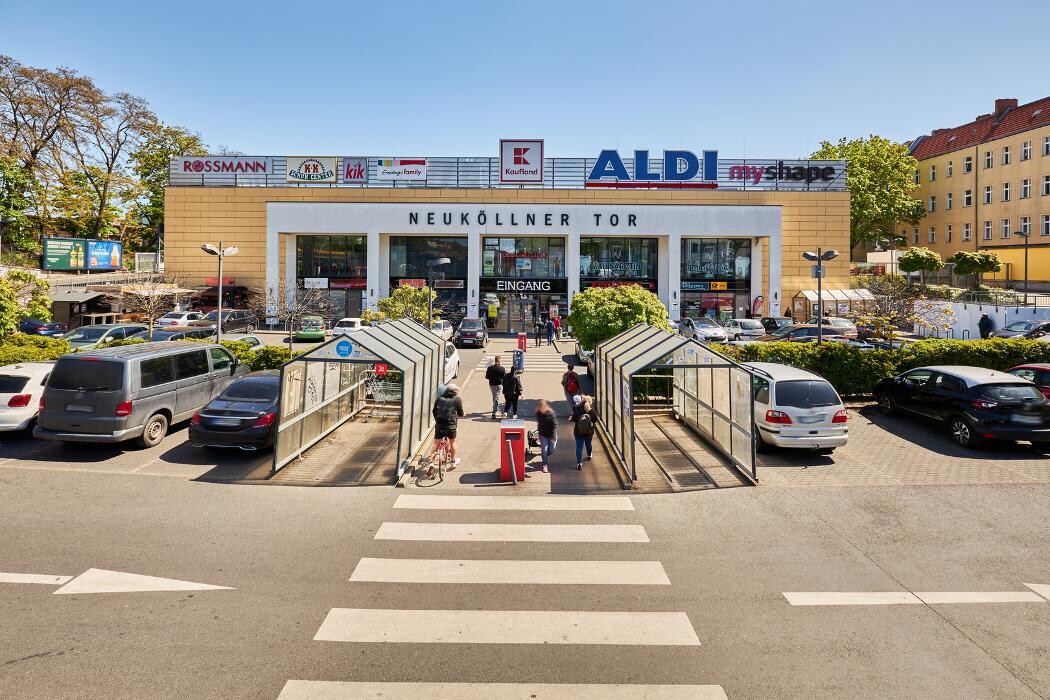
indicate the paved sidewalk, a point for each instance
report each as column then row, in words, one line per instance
column 478, row 439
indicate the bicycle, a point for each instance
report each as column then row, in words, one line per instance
column 435, row 472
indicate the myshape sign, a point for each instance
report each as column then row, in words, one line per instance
column 521, row 161
column 679, row 170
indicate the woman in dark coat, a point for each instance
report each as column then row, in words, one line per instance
column 511, row 393
column 547, row 426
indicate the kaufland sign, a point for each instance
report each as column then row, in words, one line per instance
column 521, row 161
column 679, row 170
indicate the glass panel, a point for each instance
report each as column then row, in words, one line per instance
column 618, row 258
column 409, row 255
column 529, row 258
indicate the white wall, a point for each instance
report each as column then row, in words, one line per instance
column 965, row 316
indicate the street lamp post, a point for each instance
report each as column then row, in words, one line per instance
column 820, row 257
column 220, row 253
column 1025, row 235
column 431, row 264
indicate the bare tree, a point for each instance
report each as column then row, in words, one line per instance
column 290, row 305
column 154, row 298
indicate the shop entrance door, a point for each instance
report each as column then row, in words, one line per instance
column 521, row 314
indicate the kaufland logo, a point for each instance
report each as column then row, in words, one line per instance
column 519, row 156
column 521, row 161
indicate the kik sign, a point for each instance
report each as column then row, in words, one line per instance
column 680, row 170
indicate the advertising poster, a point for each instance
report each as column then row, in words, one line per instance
column 402, row 169
column 64, row 253
column 310, row 169
column 104, row 255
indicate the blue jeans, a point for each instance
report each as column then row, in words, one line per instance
column 582, row 442
column 547, row 447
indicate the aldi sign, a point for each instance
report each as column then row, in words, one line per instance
column 679, row 170
column 521, row 161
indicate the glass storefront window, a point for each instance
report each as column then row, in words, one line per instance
column 529, row 258
column 409, row 255
column 716, row 259
column 330, row 256
column 618, row 258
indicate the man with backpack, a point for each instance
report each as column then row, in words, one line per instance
column 447, row 410
column 570, row 384
column 583, row 418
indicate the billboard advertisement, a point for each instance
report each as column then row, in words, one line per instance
column 64, row 253
column 103, row 255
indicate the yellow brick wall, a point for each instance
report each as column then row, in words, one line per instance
column 237, row 216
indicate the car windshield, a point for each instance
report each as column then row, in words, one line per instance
column 312, row 324
column 841, row 322
column 1020, row 326
column 251, row 389
column 173, row 314
column 806, row 393
column 79, row 375
column 87, row 333
column 470, row 324
column 1012, row 392
column 12, row 384
column 214, row 315
column 781, row 332
column 750, row 324
column 346, row 323
column 705, row 321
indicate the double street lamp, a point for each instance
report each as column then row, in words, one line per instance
column 820, row 257
column 220, row 252
column 1025, row 235
column 431, row 264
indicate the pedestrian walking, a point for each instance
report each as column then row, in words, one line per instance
column 985, row 325
column 538, row 330
column 583, row 417
column 557, row 327
column 547, row 426
column 570, row 384
column 494, row 374
column 511, row 393
column 550, row 331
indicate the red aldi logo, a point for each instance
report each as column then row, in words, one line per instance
column 521, row 161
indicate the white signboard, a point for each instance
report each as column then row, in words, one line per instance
column 211, row 165
column 521, row 161
column 353, row 169
column 315, row 283
column 310, row 169
column 401, row 169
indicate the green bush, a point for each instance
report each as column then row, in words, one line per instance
column 20, row 347
column 269, row 357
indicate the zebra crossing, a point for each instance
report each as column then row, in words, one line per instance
column 556, row 625
column 541, row 359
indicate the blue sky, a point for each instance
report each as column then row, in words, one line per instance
column 754, row 79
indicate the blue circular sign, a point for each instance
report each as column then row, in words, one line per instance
column 343, row 348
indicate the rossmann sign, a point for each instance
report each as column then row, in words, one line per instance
column 207, row 165
column 677, row 170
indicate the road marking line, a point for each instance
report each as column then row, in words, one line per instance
column 855, row 598
column 515, row 502
column 946, row 597
column 507, row 627
column 103, row 581
column 340, row 690
column 34, row 578
column 1040, row 588
column 455, row 532
column 649, row 573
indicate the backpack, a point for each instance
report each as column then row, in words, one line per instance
column 584, row 426
column 572, row 384
column 444, row 410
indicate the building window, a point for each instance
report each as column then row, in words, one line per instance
column 1006, row 155
column 987, row 194
column 949, row 169
column 1004, row 229
column 931, row 237
column 967, row 198
column 933, row 173
column 331, row 256
column 948, row 233
column 1026, row 150
column 1006, row 191
column 409, row 256
column 988, row 159
column 1044, row 225
column 968, row 164
column 530, row 258
column 948, row 201
column 618, row 258
column 1026, row 188
column 987, row 231
column 915, row 177
column 967, row 231
column 915, row 237
column 1046, row 185
column 715, row 259
column 1026, row 224
column 932, row 206
column 1046, row 145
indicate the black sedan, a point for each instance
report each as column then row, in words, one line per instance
column 973, row 403
column 244, row 415
column 36, row 327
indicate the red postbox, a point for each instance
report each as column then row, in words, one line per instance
column 512, row 431
column 523, row 341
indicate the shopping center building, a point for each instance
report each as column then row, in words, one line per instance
column 523, row 233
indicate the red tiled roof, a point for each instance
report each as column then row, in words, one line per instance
column 988, row 127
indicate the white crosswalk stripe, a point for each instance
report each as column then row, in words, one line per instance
column 623, row 573
column 537, row 361
column 343, row 690
column 490, row 532
column 579, row 503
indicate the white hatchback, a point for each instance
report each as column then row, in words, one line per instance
column 346, row 326
column 21, row 386
column 178, row 318
column 744, row 328
column 796, row 408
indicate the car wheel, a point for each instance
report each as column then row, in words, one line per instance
column 154, row 431
column 887, row 405
column 962, row 432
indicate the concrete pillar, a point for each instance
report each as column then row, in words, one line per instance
column 473, row 273
column 756, row 271
column 671, row 251
column 572, row 264
column 375, row 278
column 776, row 303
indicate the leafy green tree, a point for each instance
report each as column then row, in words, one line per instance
column 921, row 260
column 975, row 263
column 16, row 184
column 599, row 313
column 403, row 302
column 22, row 295
column 880, row 176
column 159, row 144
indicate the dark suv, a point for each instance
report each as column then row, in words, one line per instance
column 471, row 333
column 233, row 321
column 973, row 403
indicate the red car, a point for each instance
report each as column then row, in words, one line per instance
column 1038, row 373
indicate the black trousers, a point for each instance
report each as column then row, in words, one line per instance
column 510, row 405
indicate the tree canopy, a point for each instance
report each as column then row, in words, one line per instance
column 975, row 263
column 880, row 176
column 403, row 302
column 921, row 260
column 599, row 313
column 22, row 295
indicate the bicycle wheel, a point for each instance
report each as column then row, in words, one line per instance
column 433, row 473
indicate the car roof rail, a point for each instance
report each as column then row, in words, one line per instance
column 758, row 370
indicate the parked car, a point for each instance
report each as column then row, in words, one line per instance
column 173, row 333
column 796, row 333
column 133, row 392
column 774, row 323
column 674, row 325
column 451, row 362
column 797, row 409
column 842, row 326
column 471, row 331
column 252, row 340
column 1037, row 373
column 441, row 328
column 1015, row 329
column 744, row 329
column 704, row 329
column 311, row 330
column 178, row 318
column 973, row 403
column 21, row 386
column 582, row 355
column 243, row 415
column 346, row 326
column 89, row 337
column 233, row 320
column 1037, row 332
column 33, row 326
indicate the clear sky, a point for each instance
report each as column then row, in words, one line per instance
column 755, row 79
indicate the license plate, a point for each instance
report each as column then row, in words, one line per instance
column 79, row 408
column 226, row 421
column 1027, row 420
column 811, row 419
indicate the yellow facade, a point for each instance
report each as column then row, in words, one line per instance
column 237, row 216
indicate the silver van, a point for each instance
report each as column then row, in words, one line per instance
column 131, row 392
